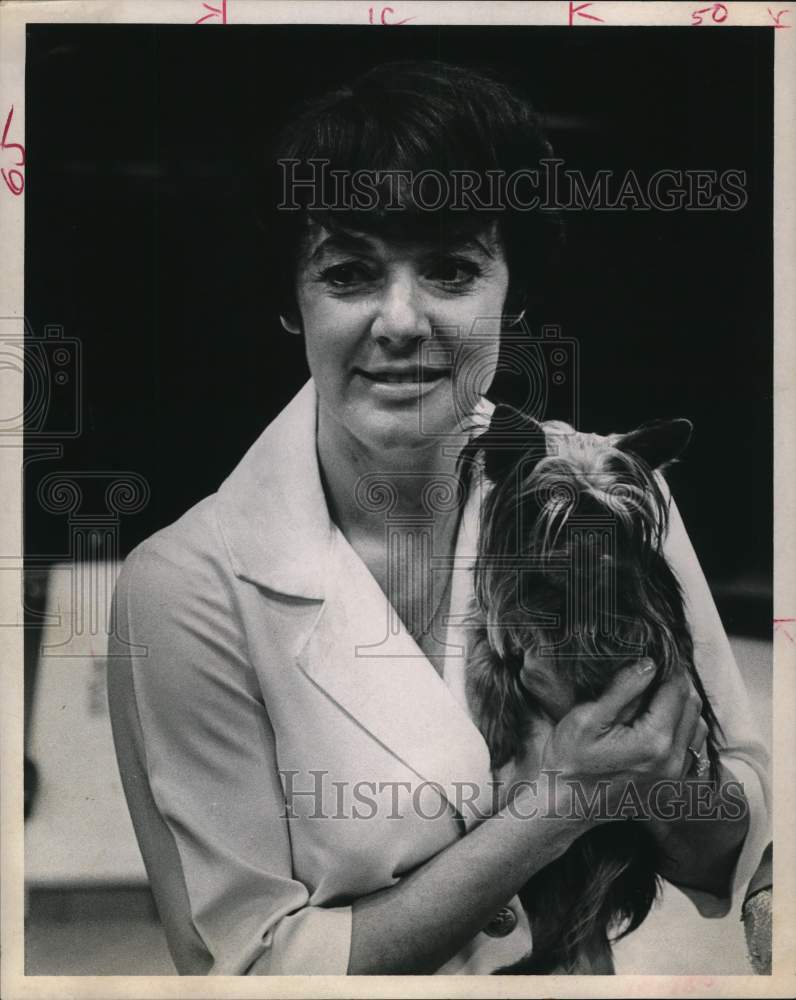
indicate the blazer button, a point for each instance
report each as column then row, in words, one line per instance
column 503, row 923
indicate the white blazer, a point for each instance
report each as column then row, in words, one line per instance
column 285, row 746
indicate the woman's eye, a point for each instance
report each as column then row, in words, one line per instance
column 449, row 271
column 346, row 275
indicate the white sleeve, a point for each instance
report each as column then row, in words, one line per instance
column 745, row 754
column 197, row 758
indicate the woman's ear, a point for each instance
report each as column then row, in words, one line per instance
column 658, row 442
column 290, row 325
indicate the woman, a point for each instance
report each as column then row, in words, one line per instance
column 308, row 789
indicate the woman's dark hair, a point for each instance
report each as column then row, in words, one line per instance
column 415, row 117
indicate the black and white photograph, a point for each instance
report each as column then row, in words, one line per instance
column 393, row 419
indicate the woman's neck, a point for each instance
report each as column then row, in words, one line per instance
column 365, row 486
column 398, row 509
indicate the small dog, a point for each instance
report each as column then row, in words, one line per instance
column 571, row 577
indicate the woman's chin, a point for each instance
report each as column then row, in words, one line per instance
column 410, row 430
column 390, row 436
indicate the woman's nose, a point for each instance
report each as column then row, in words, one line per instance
column 401, row 318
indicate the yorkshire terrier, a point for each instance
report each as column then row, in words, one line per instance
column 571, row 575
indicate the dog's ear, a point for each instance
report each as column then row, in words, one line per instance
column 512, row 435
column 658, row 442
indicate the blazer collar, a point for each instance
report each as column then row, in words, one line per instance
column 272, row 509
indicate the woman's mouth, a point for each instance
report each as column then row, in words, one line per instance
column 402, row 385
column 402, row 376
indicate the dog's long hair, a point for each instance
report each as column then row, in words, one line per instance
column 571, row 568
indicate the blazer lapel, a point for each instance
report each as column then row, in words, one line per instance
column 273, row 515
column 381, row 678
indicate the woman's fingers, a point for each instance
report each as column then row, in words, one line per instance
column 661, row 736
column 594, row 738
column 700, row 741
column 626, row 686
column 667, row 725
column 685, row 731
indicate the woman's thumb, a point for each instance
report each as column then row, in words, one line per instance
column 627, row 684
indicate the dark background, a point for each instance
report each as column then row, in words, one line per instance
column 141, row 243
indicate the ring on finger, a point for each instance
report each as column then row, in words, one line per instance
column 702, row 763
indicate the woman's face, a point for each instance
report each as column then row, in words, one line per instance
column 401, row 339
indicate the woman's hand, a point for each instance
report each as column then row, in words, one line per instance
column 606, row 742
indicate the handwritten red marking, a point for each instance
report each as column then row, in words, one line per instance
column 15, row 179
column 775, row 17
column 383, row 17
column 718, row 13
column 220, row 12
column 779, row 626
column 579, row 9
